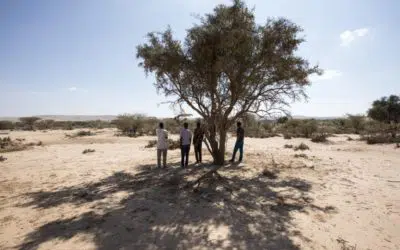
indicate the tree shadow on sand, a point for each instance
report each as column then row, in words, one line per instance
column 160, row 213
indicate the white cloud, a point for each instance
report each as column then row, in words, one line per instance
column 349, row 36
column 75, row 89
column 327, row 75
column 72, row 89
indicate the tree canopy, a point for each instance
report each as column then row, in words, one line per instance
column 228, row 66
column 386, row 109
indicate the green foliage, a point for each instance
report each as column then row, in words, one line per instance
column 357, row 122
column 386, row 110
column 28, row 122
column 44, row 124
column 229, row 66
column 287, row 136
column 129, row 124
column 380, row 139
column 6, row 125
column 299, row 128
column 282, row 120
column 320, row 137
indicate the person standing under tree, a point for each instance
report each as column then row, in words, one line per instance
column 186, row 138
column 198, row 142
column 239, row 142
column 162, row 145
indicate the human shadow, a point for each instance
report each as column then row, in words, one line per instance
column 163, row 211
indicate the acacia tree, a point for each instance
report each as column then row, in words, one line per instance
column 228, row 66
column 387, row 110
column 29, row 121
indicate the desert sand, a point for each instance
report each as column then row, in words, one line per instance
column 340, row 195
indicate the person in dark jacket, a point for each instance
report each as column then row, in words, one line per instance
column 198, row 142
column 239, row 142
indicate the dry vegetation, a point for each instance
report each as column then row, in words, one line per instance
column 88, row 150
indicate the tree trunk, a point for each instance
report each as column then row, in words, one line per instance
column 219, row 152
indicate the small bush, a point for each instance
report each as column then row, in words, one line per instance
column 302, row 146
column 6, row 125
column 269, row 174
column 171, row 144
column 288, row 146
column 349, row 138
column 8, row 145
column 151, row 144
column 287, row 136
column 319, row 138
column 301, row 156
column 40, row 143
column 380, row 139
column 2, row 158
column 84, row 133
column 86, row 151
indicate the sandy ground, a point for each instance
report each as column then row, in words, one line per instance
column 344, row 195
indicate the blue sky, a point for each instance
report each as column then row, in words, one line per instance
column 78, row 57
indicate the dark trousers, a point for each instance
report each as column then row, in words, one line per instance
column 185, row 155
column 238, row 146
column 197, row 151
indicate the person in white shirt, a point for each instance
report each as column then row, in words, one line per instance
column 186, row 138
column 162, row 145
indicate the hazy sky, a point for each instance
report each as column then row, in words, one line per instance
column 78, row 56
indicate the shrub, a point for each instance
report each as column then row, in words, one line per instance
column 28, row 122
column 300, row 156
column 288, row 146
column 269, row 174
column 287, row 136
column 380, row 139
column 6, row 125
column 300, row 128
column 86, row 151
column 357, row 122
column 319, row 138
column 8, row 145
column 171, row 144
column 302, row 146
column 282, row 119
column 84, row 133
column 44, row 124
column 2, row 158
column 129, row 124
column 151, row 144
